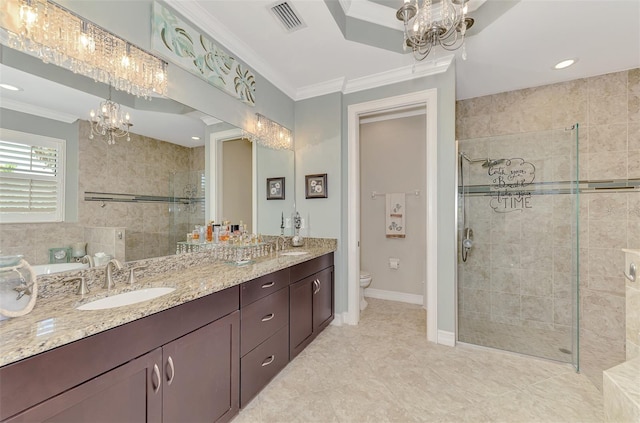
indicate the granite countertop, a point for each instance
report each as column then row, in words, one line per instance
column 54, row 321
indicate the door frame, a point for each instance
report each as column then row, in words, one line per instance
column 428, row 98
column 215, row 175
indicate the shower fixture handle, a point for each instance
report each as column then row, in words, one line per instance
column 467, row 242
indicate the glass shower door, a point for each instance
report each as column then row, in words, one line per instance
column 518, row 243
column 187, row 208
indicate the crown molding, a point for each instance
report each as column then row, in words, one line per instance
column 208, row 23
column 327, row 87
column 210, row 120
column 406, row 73
column 43, row 112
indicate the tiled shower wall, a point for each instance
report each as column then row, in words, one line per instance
column 607, row 109
column 141, row 166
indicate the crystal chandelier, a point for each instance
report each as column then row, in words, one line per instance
column 444, row 23
column 270, row 134
column 55, row 35
column 110, row 122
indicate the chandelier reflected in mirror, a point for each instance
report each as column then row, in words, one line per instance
column 52, row 33
column 434, row 23
column 270, row 134
column 110, row 122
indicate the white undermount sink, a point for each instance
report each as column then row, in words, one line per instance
column 294, row 253
column 127, row 298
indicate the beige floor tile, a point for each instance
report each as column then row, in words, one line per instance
column 384, row 370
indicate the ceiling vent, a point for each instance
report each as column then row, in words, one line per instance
column 287, row 16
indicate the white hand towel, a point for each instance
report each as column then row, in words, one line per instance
column 395, row 215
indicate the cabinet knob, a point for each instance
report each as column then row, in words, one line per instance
column 172, row 371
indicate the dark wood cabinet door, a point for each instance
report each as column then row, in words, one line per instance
column 323, row 303
column 201, row 373
column 300, row 315
column 129, row 393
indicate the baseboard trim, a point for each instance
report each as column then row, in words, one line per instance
column 340, row 319
column 446, row 338
column 394, row 296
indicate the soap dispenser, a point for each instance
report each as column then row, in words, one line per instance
column 297, row 240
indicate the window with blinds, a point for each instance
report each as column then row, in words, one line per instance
column 31, row 178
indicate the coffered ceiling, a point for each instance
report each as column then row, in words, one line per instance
column 513, row 45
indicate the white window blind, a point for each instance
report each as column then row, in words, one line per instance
column 31, row 178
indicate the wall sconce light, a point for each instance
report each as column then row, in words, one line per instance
column 270, row 134
column 56, row 35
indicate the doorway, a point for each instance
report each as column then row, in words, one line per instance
column 355, row 112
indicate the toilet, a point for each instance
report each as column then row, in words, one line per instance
column 365, row 281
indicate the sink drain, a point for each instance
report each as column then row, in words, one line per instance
column 564, row 350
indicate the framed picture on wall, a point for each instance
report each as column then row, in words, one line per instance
column 315, row 186
column 275, row 188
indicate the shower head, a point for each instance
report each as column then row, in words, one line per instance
column 492, row 162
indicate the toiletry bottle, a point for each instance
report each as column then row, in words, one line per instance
column 196, row 234
column 210, row 232
column 216, row 233
column 202, row 233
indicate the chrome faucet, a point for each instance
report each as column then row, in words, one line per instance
column 108, row 280
column 284, row 240
column 88, row 260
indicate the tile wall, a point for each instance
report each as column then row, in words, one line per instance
column 607, row 109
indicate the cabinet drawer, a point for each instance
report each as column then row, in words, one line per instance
column 263, row 286
column 259, row 366
column 262, row 318
column 302, row 270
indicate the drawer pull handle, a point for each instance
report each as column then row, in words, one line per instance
column 268, row 360
column 316, row 283
column 268, row 284
column 156, row 373
column 172, row 369
column 268, row 317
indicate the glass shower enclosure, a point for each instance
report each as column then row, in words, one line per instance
column 518, row 243
column 187, row 204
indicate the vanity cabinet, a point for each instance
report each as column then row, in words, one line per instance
column 264, row 340
column 311, row 301
column 178, row 365
column 195, row 362
column 126, row 394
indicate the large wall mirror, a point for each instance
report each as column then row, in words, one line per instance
column 136, row 199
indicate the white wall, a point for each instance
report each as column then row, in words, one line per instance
column 274, row 164
column 392, row 159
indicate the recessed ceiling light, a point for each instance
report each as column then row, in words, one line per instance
column 10, row 87
column 195, row 138
column 565, row 63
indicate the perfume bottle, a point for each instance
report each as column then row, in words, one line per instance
column 297, row 240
